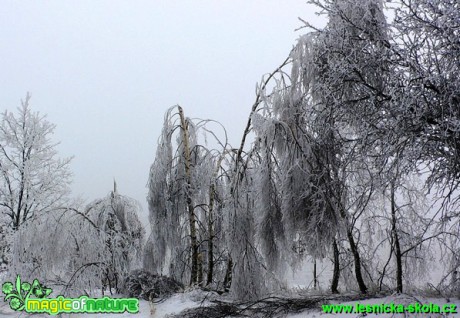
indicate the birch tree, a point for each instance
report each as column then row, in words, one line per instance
column 185, row 199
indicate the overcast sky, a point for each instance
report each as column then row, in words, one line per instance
column 105, row 72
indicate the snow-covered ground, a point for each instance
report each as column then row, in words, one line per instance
column 192, row 299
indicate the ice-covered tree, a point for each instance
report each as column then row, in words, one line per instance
column 249, row 279
column 412, row 228
column 354, row 111
column 279, row 186
column 345, row 69
column 82, row 249
column 119, row 230
column 394, row 88
column 428, row 56
column 33, row 180
column 429, row 67
column 185, row 199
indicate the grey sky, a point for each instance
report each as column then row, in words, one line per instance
column 105, row 72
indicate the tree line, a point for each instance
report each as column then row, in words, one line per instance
column 361, row 121
column 353, row 160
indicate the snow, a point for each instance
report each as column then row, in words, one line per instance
column 176, row 304
column 195, row 298
column 170, row 306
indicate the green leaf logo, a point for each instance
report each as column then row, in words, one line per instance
column 19, row 296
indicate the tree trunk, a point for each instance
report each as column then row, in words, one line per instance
column 336, row 275
column 355, row 252
column 315, row 277
column 357, row 261
column 228, row 275
column 397, row 247
column 211, row 236
column 190, row 207
column 200, row 269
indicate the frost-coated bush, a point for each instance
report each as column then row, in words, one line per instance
column 81, row 251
